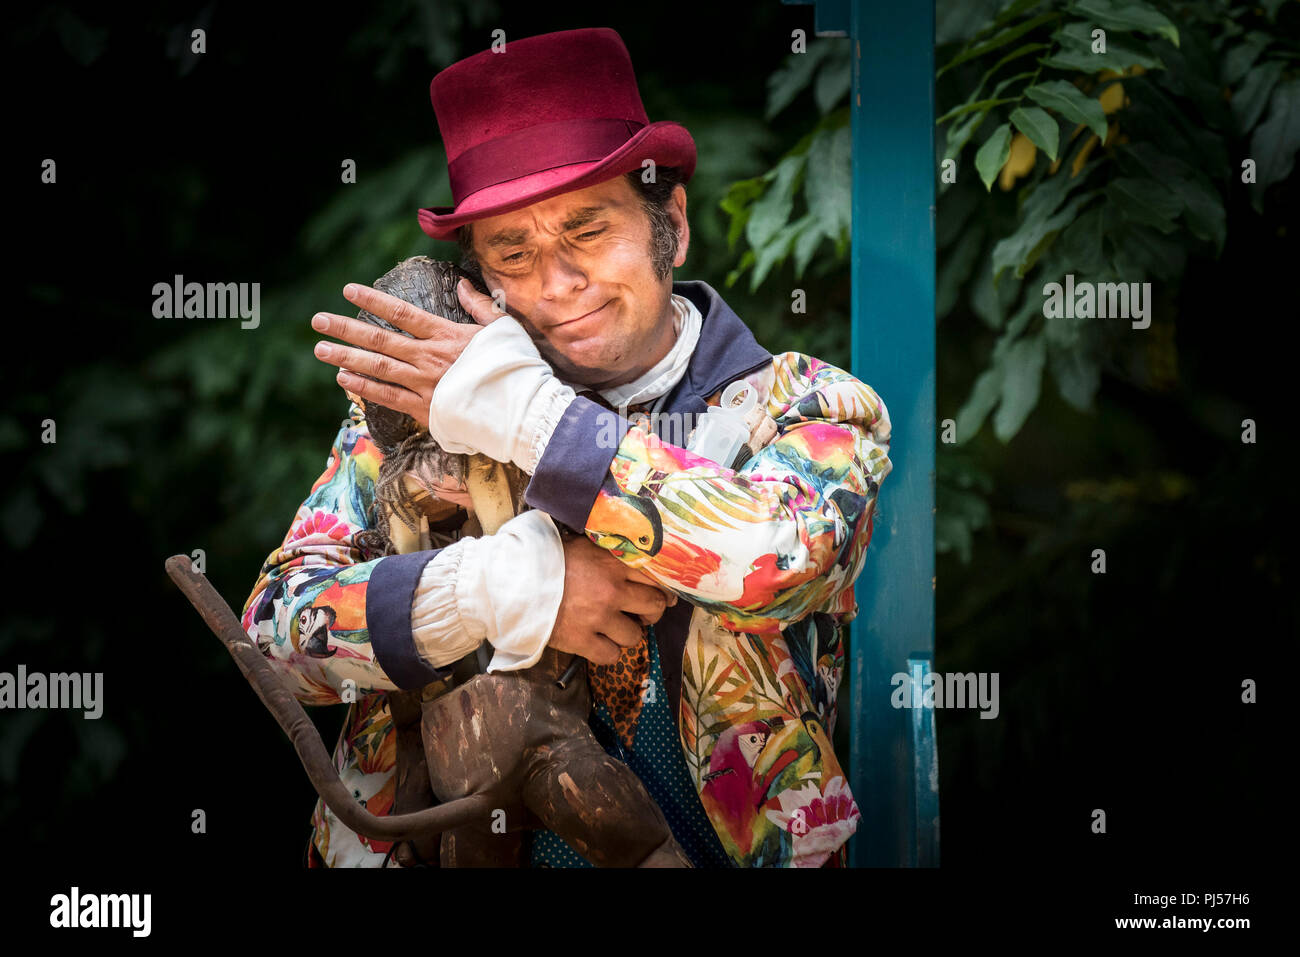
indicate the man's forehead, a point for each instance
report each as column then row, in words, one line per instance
column 564, row 212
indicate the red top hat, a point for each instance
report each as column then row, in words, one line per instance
column 550, row 114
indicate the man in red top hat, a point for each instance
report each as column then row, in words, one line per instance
column 571, row 207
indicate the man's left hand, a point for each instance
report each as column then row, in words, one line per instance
column 413, row 366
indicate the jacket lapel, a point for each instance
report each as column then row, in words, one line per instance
column 726, row 351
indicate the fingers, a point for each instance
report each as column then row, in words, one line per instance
column 636, row 575
column 414, row 366
column 596, row 648
column 622, row 630
column 389, row 396
column 609, row 605
column 647, row 601
column 399, row 312
column 366, row 335
column 601, row 651
column 481, row 307
column 369, row 363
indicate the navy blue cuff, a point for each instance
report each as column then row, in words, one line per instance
column 389, row 595
column 576, row 462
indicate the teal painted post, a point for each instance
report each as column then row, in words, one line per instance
column 894, row 352
column 925, row 766
column 893, row 757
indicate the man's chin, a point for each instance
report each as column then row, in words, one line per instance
column 583, row 367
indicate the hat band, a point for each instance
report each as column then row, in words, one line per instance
column 534, row 149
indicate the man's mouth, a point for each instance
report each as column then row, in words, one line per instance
column 583, row 317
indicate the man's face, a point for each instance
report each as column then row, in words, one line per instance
column 578, row 273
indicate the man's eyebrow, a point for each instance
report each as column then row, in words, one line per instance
column 581, row 217
column 514, row 237
column 506, row 237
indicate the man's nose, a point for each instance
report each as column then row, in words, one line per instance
column 561, row 276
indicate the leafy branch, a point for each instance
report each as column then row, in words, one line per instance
column 814, row 176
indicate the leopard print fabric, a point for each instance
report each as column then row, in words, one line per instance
column 621, row 688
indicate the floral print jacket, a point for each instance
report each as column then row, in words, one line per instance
column 764, row 554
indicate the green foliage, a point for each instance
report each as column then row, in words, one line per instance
column 813, row 177
column 1039, row 127
column 1127, row 175
column 1149, row 172
column 1274, row 142
column 1131, row 181
column 1066, row 100
column 960, row 504
column 992, row 156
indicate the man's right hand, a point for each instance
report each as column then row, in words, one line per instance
column 606, row 604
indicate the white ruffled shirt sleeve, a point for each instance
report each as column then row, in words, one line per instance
column 504, row 588
column 499, row 397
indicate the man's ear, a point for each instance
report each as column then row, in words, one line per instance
column 677, row 212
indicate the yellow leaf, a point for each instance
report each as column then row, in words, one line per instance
column 1083, row 155
column 1112, row 99
column 1020, row 161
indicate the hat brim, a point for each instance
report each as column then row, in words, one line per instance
column 665, row 142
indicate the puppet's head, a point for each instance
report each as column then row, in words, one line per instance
column 414, row 464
